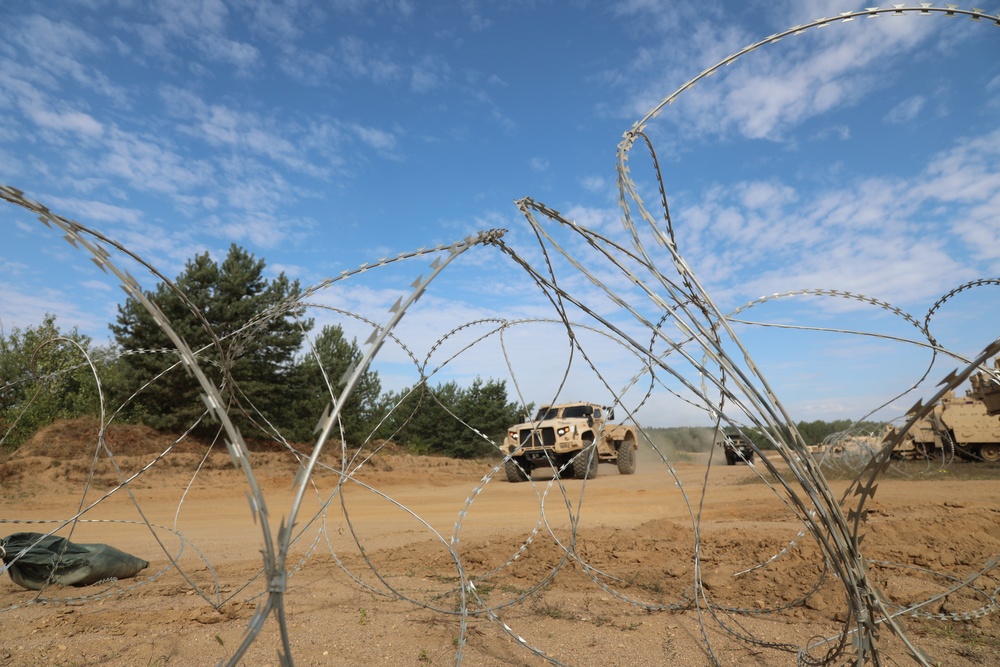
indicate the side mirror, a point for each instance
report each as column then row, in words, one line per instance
column 609, row 414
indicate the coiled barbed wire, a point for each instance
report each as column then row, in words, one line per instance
column 730, row 388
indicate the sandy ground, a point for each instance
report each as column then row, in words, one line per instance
column 377, row 571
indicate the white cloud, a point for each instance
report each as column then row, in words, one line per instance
column 73, row 121
column 538, row 164
column 430, row 73
column 758, row 194
column 12, row 269
column 22, row 309
column 95, row 285
column 867, row 236
column 224, row 126
column 966, row 172
column 292, row 271
column 375, row 138
column 980, row 232
column 594, row 183
column 247, row 134
column 279, row 21
column 597, row 219
column 88, row 211
column 256, row 227
column 361, row 60
column 781, row 85
column 205, row 24
column 309, row 67
column 47, row 51
column 890, row 270
column 148, row 166
column 906, row 110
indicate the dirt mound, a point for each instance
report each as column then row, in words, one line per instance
column 70, row 452
column 69, row 439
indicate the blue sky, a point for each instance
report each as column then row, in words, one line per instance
column 863, row 156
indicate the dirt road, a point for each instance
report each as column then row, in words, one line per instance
column 378, row 571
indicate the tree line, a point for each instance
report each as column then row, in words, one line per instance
column 254, row 343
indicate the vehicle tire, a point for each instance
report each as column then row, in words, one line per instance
column 515, row 472
column 730, row 459
column 626, row 457
column 585, row 464
column 565, row 463
column 990, row 452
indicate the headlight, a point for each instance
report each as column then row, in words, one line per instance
column 512, row 435
column 563, row 431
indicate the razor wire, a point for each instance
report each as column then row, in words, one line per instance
column 731, row 389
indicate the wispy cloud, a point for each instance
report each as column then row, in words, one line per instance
column 259, row 229
column 594, row 183
column 47, row 52
column 906, row 110
column 375, row 138
column 150, row 166
column 429, row 74
column 204, row 25
column 361, row 60
column 22, row 309
column 781, row 85
column 66, row 121
column 95, row 211
column 867, row 237
column 538, row 164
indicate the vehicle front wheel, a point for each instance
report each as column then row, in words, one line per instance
column 585, row 463
column 626, row 458
column 990, row 452
column 517, row 470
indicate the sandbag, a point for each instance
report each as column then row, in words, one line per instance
column 37, row 560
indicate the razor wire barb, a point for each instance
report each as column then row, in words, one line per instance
column 731, row 389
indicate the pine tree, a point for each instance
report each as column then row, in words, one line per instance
column 244, row 329
column 484, row 406
column 437, row 420
column 335, row 354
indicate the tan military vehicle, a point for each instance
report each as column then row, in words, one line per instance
column 737, row 449
column 962, row 422
column 573, row 438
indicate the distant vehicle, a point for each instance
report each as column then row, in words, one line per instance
column 961, row 424
column 573, row 437
column 737, row 448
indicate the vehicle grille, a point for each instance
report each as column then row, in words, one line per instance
column 543, row 437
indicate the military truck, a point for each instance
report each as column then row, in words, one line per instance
column 737, row 448
column 572, row 438
column 962, row 423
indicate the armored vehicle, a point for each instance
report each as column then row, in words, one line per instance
column 960, row 422
column 737, row 448
column 572, row 438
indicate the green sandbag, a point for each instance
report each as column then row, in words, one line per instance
column 36, row 560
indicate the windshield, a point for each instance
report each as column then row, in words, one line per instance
column 547, row 413
column 577, row 411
